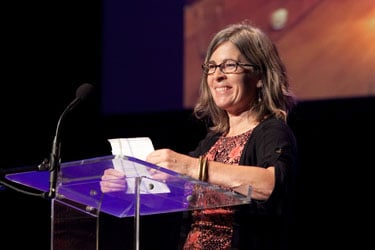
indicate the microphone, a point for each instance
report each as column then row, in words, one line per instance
column 82, row 93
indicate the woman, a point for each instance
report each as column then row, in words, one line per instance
column 244, row 94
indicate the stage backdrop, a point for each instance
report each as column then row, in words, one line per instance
column 152, row 50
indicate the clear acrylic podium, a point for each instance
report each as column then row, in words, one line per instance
column 80, row 204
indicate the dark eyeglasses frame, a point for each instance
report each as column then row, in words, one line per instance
column 205, row 67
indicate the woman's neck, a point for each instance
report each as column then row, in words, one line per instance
column 240, row 124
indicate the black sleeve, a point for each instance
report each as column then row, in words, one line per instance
column 274, row 144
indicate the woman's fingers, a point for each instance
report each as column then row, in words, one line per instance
column 112, row 180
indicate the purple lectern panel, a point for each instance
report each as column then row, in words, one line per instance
column 159, row 190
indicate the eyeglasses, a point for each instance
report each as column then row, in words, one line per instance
column 227, row 66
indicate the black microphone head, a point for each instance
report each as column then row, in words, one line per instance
column 84, row 91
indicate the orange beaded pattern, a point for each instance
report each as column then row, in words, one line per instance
column 212, row 228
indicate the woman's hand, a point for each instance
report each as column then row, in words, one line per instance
column 113, row 180
column 174, row 161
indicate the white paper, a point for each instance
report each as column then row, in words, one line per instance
column 133, row 170
column 138, row 147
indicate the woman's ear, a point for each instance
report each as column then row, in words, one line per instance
column 259, row 84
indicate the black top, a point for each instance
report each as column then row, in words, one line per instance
column 265, row 224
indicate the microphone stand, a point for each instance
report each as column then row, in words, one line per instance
column 55, row 158
column 53, row 165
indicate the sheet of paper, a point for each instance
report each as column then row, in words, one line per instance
column 133, row 170
column 138, row 147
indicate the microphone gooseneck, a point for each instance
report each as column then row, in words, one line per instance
column 82, row 93
column 53, row 163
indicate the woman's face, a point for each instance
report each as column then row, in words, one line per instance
column 233, row 92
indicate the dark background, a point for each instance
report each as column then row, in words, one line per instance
column 49, row 49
